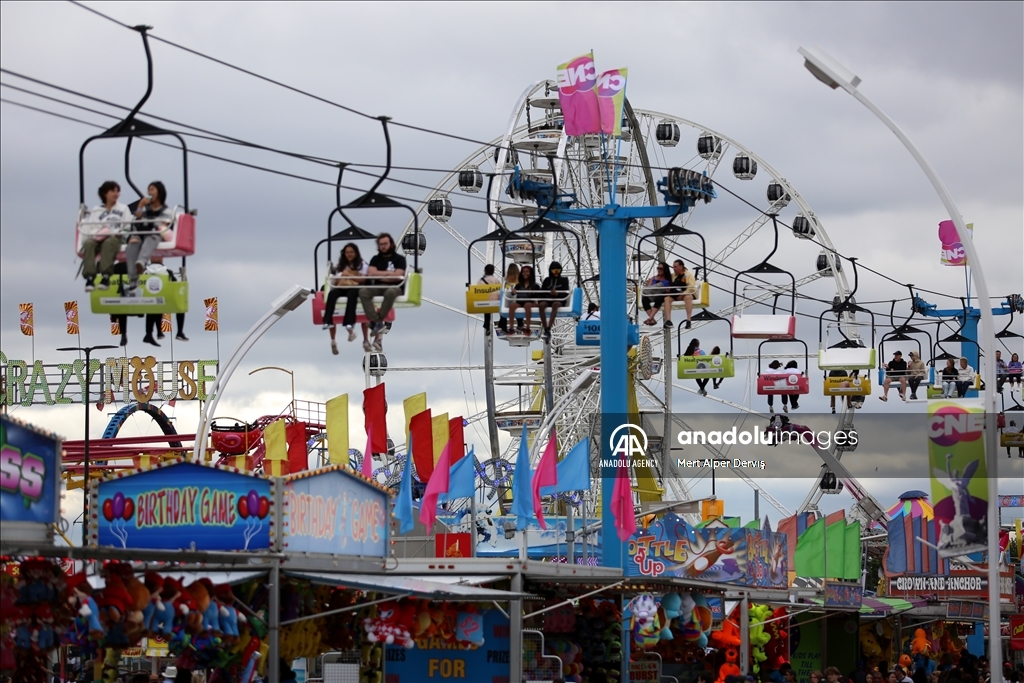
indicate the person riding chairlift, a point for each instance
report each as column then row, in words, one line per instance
column 511, row 280
column 896, row 369
column 387, row 272
column 556, row 288
column 521, row 293
column 683, row 284
column 105, row 237
column 694, row 350
column 661, row 280
column 346, row 278
column 153, row 218
column 593, row 312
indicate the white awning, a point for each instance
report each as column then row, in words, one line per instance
column 187, row 577
column 440, row 587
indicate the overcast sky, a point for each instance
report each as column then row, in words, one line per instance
column 949, row 73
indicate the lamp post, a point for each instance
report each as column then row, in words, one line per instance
column 274, row 367
column 285, row 303
column 835, row 75
column 87, row 350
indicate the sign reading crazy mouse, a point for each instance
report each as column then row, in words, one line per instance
column 185, row 506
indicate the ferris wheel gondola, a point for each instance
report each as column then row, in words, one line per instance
column 112, row 234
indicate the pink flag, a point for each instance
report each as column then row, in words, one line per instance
column 437, row 485
column 577, row 94
column 622, row 505
column 368, row 454
column 611, row 95
column 546, row 474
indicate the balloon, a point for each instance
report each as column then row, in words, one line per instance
column 108, row 510
column 129, row 509
column 264, row 507
column 254, row 503
column 243, row 507
column 118, row 504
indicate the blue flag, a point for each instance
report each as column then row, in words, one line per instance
column 461, row 478
column 522, row 492
column 573, row 471
column 403, row 504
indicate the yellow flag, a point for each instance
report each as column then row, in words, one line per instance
column 439, row 427
column 71, row 314
column 276, row 439
column 414, row 405
column 28, row 320
column 337, row 430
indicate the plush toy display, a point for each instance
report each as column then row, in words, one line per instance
column 36, row 613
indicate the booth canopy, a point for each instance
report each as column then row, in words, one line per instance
column 435, row 587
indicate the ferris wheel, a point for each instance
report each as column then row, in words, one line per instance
column 624, row 170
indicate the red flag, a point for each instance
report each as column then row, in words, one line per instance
column 622, row 504
column 458, row 438
column 368, row 455
column 298, row 460
column 437, row 485
column 375, row 412
column 546, row 474
column 837, row 516
column 421, row 434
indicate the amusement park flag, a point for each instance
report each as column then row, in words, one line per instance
column 27, row 319
column 521, row 485
column 439, row 435
column 165, row 323
column 437, row 485
column 577, row 95
column 611, row 96
column 375, row 408
column 367, row 468
column 421, row 444
column 573, row 473
column 211, row 324
column 115, row 326
column 414, row 405
column 71, row 314
column 337, row 430
column 403, row 504
column 546, row 474
column 457, row 436
column 622, row 504
column 952, row 246
column 462, row 478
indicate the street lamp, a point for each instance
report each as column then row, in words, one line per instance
column 274, row 367
column 86, row 400
column 833, row 74
column 285, row 303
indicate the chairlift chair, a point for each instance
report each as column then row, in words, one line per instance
column 850, row 353
column 700, row 290
column 412, row 283
column 760, row 326
column 780, row 383
column 713, row 366
column 157, row 293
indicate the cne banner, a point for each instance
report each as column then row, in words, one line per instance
column 956, row 453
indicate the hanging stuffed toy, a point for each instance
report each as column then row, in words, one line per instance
column 646, row 621
column 391, row 626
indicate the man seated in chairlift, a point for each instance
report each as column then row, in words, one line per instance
column 103, row 228
column 387, row 276
column 556, row 292
column 682, row 290
column 896, row 369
